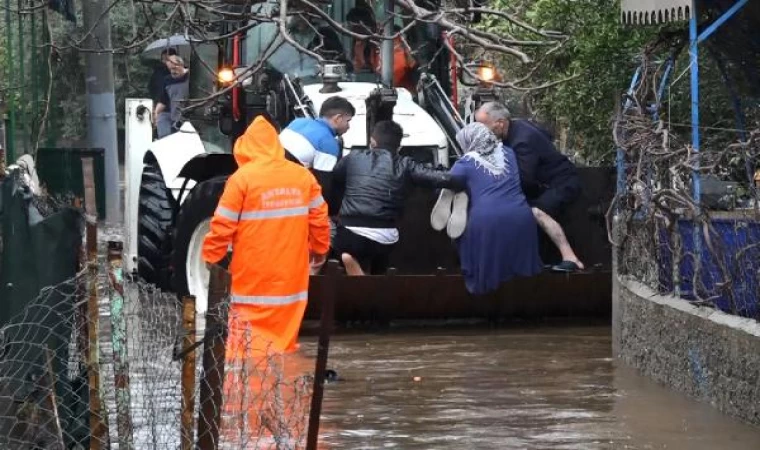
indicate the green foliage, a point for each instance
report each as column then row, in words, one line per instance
column 601, row 53
column 597, row 59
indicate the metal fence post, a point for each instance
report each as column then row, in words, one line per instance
column 326, row 326
column 98, row 425
column 212, row 380
column 188, row 372
column 119, row 343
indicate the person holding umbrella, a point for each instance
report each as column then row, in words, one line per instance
column 156, row 90
column 176, row 90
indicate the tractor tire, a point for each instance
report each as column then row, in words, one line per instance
column 190, row 274
column 154, row 228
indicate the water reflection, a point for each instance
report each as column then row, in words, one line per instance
column 548, row 388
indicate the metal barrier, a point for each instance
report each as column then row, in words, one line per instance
column 41, row 244
column 67, row 172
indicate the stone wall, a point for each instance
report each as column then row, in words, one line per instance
column 707, row 354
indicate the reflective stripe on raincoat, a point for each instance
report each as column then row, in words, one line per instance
column 273, row 214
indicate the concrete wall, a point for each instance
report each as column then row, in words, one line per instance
column 707, row 354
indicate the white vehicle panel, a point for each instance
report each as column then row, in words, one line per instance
column 420, row 129
column 138, row 135
column 173, row 152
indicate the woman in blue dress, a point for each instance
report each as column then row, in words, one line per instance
column 500, row 238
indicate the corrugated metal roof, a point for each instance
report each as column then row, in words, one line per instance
column 646, row 12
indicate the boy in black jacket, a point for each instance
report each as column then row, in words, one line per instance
column 374, row 184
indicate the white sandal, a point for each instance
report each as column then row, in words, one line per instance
column 458, row 220
column 441, row 212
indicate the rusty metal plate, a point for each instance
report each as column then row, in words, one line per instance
column 389, row 298
column 648, row 12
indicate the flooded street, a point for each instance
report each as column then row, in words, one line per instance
column 531, row 388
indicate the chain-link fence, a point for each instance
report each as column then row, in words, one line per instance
column 99, row 361
column 686, row 223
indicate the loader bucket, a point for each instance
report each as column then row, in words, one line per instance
column 426, row 284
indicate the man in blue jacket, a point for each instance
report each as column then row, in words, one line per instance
column 549, row 180
column 314, row 144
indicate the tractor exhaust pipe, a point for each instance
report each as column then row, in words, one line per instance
column 387, row 46
column 331, row 75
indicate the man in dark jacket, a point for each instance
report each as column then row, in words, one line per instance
column 176, row 90
column 156, row 89
column 157, row 78
column 549, row 180
column 374, row 183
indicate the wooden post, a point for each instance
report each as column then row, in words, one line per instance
column 328, row 295
column 98, row 425
column 212, row 380
column 188, row 372
column 88, row 173
column 119, row 343
column 53, row 399
column 80, row 313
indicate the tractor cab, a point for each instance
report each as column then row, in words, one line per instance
column 266, row 73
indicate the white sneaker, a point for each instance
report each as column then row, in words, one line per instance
column 458, row 220
column 441, row 212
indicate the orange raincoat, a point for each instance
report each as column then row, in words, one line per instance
column 273, row 214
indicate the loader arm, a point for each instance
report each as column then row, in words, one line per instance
column 300, row 103
column 435, row 101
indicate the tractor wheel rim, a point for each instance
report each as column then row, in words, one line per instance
column 195, row 267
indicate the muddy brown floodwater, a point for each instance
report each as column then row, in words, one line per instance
column 532, row 388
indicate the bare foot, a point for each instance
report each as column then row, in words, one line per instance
column 352, row 267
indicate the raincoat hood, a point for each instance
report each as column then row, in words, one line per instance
column 260, row 144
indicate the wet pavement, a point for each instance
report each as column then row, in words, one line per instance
column 531, row 388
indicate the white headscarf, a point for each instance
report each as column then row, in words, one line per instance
column 482, row 146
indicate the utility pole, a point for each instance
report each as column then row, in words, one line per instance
column 10, row 124
column 101, row 99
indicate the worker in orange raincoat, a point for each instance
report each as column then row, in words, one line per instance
column 273, row 214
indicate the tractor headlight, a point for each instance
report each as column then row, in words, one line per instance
column 487, row 73
column 226, row 75
column 240, row 75
column 478, row 73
